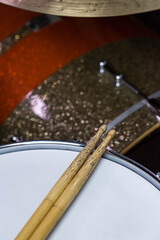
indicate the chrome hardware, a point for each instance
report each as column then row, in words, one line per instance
column 152, row 103
column 16, row 139
column 102, row 66
column 158, row 175
column 118, row 78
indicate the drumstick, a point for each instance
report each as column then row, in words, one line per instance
column 58, row 188
column 70, row 192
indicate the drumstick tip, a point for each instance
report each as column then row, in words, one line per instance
column 103, row 127
column 111, row 133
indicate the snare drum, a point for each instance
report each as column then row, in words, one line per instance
column 120, row 200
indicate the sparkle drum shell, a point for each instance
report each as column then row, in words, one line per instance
column 35, row 55
column 56, row 91
column 119, row 201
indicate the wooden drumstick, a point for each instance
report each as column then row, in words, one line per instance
column 59, row 187
column 70, row 192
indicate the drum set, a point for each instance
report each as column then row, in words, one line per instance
column 63, row 74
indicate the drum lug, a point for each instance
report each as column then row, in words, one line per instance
column 16, row 139
column 118, row 78
column 102, row 66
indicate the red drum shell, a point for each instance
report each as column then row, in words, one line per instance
column 31, row 60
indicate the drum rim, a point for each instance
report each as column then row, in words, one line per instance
column 71, row 146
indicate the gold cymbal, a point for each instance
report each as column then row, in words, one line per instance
column 86, row 8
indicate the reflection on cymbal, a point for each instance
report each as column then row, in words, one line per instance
column 86, row 8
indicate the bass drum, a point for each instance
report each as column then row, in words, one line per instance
column 120, row 200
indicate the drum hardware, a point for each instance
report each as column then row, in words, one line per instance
column 158, row 175
column 102, row 66
column 152, row 103
column 118, row 80
column 139, row 165
column 31, row 26
column 76, row 140
column 16, row 139
column 126, row 114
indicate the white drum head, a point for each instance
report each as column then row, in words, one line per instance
column 116, row 203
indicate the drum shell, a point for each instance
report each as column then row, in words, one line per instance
column 29, row 66
column 32, row 59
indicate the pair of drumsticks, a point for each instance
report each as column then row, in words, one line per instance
column 65, row 190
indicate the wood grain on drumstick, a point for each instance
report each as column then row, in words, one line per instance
column 70, row 191
column 59, row 187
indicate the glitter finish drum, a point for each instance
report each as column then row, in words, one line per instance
column 73, row 102
column 30, row 53
column 119, row 201
column 57, row 91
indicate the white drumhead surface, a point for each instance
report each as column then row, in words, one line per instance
column 115, row 203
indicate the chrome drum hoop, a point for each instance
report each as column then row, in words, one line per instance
column 71, row 146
